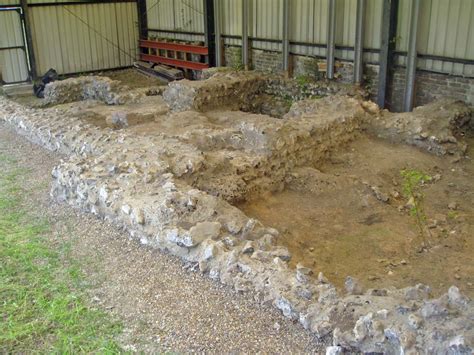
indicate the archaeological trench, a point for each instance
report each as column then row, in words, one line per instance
column 293, row 192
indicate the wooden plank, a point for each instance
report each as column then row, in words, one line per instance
column 158, row 70
column 188, row 48
column 174, row 62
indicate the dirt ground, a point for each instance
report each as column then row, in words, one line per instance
column 332, row 221
column 133, row 78
column 163, row 305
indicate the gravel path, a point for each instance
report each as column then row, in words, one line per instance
column 163, row 305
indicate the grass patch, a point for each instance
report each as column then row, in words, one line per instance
column 413, row 182
column 42, row 308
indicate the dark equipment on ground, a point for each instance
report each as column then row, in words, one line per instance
column 39, row 85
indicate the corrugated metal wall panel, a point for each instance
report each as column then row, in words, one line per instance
column 266, row 22
column 373, row 29
column 446, row 27
column 182, row 15
column 446, row 33
column 13, row 66
column 9, row 2
column 13, row 63
column 345, row 24
column 231, row 17
column 308, row 24
column 79, row 38
column 160, row 14
column 126, row 17
column 231, row 20
column 189, row 15
column 10, row 29
column 45, row 1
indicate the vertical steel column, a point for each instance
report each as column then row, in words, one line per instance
column 245, row 34
column 331, row 45
column 359, row 43
column 389, row 31
column 217, row 28
column 33, row 74
column 285, row 37
column 209, row 31
column 411, row 58
column 142, row 19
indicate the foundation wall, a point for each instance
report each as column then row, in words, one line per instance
column 150, row 186
column 429, row 86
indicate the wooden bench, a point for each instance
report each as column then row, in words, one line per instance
column 151, row 53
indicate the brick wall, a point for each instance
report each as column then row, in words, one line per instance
column 428, row 87
column 266, row 61
column 233, row 57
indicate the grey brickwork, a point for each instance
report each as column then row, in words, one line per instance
column 266, row 61
column 233, row 57
column 429, row 86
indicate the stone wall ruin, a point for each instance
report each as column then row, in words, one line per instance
column 171, row 189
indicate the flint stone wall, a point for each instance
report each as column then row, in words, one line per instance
column 244, row 90
column 100, row 88
column 429, row 87
column 225, row 90
column 110, row 174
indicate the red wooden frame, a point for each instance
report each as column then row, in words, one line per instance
column 176, row 47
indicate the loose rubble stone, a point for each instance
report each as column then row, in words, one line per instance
column 334, row 350
column 204, row 230
column 353, row 286
column 456, row 298
column 432, row 127
column 415, row 321
column 453, row 206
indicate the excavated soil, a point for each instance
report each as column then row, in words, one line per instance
column 331, row 220
column 133, row 78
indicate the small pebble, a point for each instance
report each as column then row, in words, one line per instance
column 453, row 206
